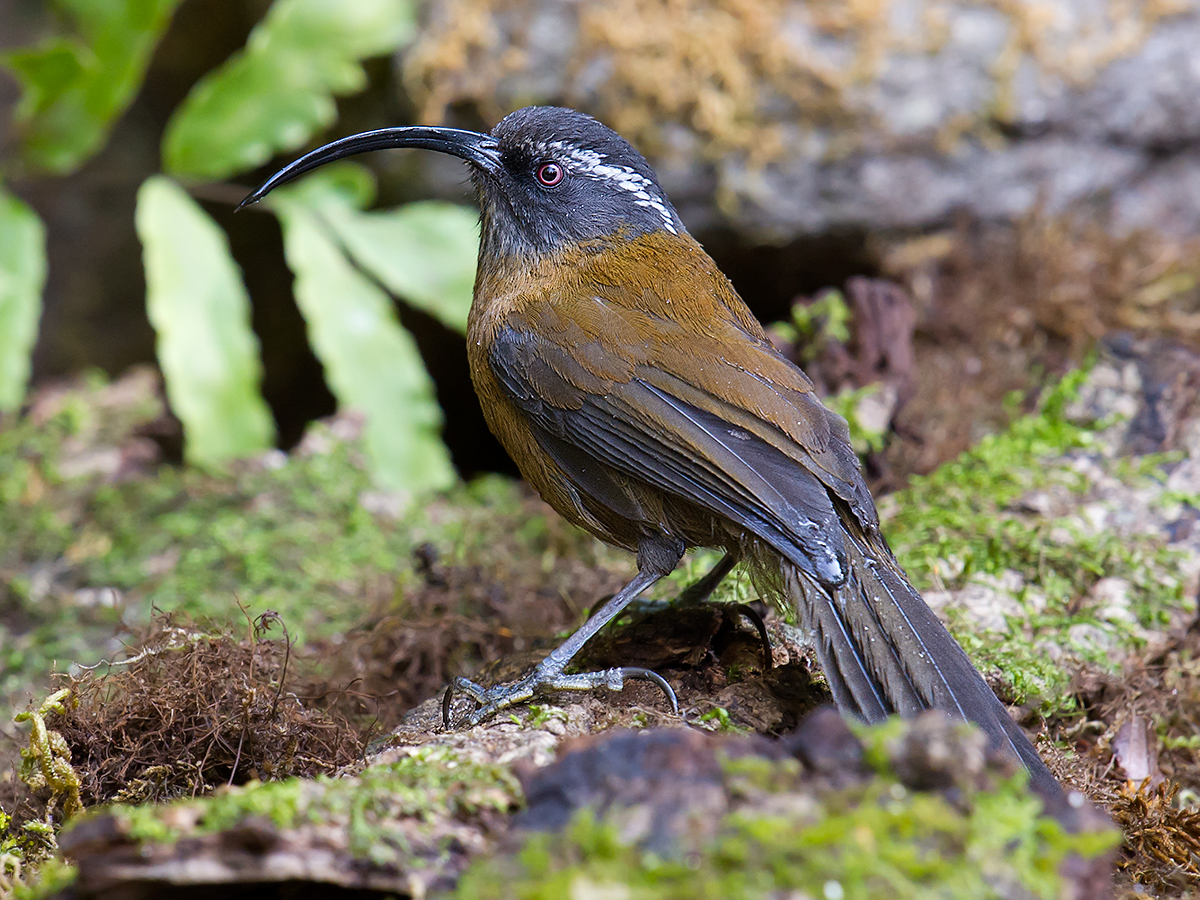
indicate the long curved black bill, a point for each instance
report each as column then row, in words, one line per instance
column 478, row 149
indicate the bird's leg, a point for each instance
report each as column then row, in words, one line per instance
column 656, row 558
column 695, row 593
column 702, row 588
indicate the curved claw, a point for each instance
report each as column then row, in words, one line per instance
column 760, row 626
column 651, row 675
column 489, row 701
column 548, row 674
column 463, row 685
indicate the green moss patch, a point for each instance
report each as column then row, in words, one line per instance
column 787, row 834
column 1016, row 515
column 377, row 810
column 94, row 541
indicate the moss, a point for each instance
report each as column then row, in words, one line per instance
column 27, row 859
column 54, row 877
column 868, row 840
column 538, row 716
column 964, row 521
column 376, row 810
column 85, row 556
column 718, row 719
column 958, row 512
column 46, row 762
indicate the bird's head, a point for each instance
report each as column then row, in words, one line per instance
column 546, row 178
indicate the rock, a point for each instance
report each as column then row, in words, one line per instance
column 988, row 601
column 661, row 785
column 402, row 827
column 937, row 753
column 1143, row 392
column 787, row 119
column 825, row 743
column 792, row 813
column 1111, row 596
column 677, row 794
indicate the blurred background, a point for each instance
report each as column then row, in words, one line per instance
column 985, row 189
column 974, row 223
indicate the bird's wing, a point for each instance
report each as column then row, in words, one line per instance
column 610, row 431
column 647, row 426
column 707, row 351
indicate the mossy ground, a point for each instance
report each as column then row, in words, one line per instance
column 965, row 522
column 90, row 551
column 377, row 808
column 853, row 842
column 426, row 814
column 305, row 536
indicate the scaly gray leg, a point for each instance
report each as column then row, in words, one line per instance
column 656, row 558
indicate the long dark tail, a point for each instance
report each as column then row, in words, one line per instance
column 883, row 651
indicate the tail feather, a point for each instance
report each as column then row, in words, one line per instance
column 884, row 651
column 856, row 687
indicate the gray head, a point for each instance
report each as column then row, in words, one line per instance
column 546, row 177
column 562, row 178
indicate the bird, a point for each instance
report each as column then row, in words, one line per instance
column 642, row 399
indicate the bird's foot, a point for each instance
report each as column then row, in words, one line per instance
column 543, row 678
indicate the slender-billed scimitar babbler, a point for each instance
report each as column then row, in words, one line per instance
column 644, row 402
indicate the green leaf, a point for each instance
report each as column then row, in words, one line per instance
column 201, row 311
column 22, row 276
column 424, row 253
column 371, row 362
column 74, row 87
column 274, row 94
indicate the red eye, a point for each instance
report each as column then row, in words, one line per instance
column 550, row 174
